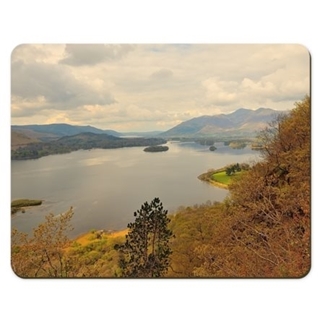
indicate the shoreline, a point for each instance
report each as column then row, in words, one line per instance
column 206, row 177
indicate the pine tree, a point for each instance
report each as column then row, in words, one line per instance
column 146, row 252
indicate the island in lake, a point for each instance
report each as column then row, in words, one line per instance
column 20, row 204
column 156, row 149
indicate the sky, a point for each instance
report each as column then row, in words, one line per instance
column 147, row 87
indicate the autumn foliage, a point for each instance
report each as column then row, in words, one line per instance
column 263, row 228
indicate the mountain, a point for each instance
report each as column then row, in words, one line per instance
column 49, row 132
column 46, row 132
column 242, row 122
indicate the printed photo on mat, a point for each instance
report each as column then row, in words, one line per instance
column 160, row 161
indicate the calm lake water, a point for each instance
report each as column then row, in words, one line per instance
column 105, row 187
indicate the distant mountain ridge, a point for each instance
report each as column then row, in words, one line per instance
column 240, row 122
column 57, row 130
column 49, row 132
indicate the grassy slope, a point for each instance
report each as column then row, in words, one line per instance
column 95, row 252
column 219, row 178
column 223, row 178
column 89, row 237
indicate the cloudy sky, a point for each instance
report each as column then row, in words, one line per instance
column 136, row 87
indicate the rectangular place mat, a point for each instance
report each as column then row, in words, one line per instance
column 160, row 160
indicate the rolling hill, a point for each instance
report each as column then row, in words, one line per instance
column 19, row 139
column 84, row 141
column 46, row 132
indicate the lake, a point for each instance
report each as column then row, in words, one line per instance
column 105, row 187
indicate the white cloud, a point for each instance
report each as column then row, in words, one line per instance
column 59, row 86
column 83, row 54
column 220, row 92
column 148, row 87
column 162, row 74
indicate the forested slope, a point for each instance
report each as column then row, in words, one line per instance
column 263, row 228
column 85, row 141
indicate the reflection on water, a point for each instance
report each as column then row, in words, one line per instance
column 105, row 187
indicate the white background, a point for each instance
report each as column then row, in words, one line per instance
column 156, row 22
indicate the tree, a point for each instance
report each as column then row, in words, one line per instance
column 271, row 205
column 237, row 167
column 43, row 255
column 146, row 252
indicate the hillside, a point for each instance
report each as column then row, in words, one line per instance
column 19, row 139
column 85, row 140
column 242, row 122
column 263, row 228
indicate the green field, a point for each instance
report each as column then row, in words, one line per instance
column 223, row 178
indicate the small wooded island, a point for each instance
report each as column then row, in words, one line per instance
column 156, row 149
column 20, row 204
